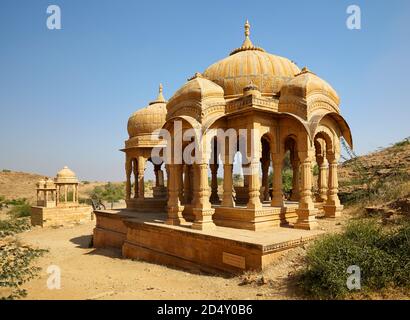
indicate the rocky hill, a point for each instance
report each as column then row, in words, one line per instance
column 379, row 179
column 16, row 185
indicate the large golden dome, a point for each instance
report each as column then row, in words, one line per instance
column 148, row 119
column 251, row 64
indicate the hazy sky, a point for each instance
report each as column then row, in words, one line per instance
column 66, row 95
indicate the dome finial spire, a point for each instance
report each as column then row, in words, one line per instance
column 247, row 43
column 160, row 97
column 247, row 28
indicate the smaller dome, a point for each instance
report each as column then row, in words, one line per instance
column 307, row 83
column 41, row 183
column 66, row 175
column 148, row 119
column 196, row 89
column 49, row 183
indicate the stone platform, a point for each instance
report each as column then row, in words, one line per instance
column 60, row 216
column 145, row 236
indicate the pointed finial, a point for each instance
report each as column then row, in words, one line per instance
column 160, row 97
column 247, row 28
column 247, row 43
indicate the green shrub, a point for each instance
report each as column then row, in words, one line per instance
column 20, row 211
column 402, row 143
column 15, row 267
column 383, row 257
column 12, row 226
column 110, row 192
column 287, row 176
column 6, row 170
column 16, row 202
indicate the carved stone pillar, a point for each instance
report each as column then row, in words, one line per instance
column 128, row 171
column 214, row 184
column 277, row 195
column 187, row 184
column 168, row 175
column 65, row 193
column 306, row 211
column 202, row 209
column 174, row 207
column 161, row 178
column 194, row 184
column 58, row 191
column 295, row 180
column 136, row 181
column 265, row 179
column 254, row 201
column 141, row 170
column 157, row 168
column 76, row 193
column 227, row 200
column 333, row 208
column 180, row 181
column 322, row 179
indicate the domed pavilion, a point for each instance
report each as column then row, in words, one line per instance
column 138, row 148
column 57, row 201
column 275, row 110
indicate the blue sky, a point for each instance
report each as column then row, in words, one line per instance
column 66, row 95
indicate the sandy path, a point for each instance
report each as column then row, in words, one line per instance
column 87, row 273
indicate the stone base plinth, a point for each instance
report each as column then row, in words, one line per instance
column 226, row 250
column 147, row 204
column 60, row 216
column 306, row 219
column 254, row 219
column 332, row 211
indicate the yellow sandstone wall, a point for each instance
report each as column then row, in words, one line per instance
column 46, row 217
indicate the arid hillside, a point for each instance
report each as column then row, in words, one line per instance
column 381, row 178
column 16, row 185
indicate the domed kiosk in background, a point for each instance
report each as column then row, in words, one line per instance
column 138, row 149
column 283, row 110
column 57, row 201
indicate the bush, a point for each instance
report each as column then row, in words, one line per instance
column 16, row 202
column 110, row 192
column 402, row 143
column 15, row 268
column 12, row 226
column 20, row 211
column 383, row 257
column 377, row 189
column 287, row 176
column 6, row 170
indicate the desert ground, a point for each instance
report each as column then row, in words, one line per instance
column 88, row 273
